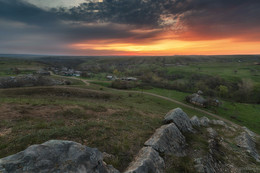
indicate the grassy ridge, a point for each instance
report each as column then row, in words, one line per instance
column 115, row 122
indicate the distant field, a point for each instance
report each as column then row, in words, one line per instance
column 232, row 71
column 240, row 113
column 7, row 66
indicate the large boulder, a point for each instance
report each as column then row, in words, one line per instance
column 168, row 140
column 180, row 119
column 56, row 156
column 246, row 142
column 147, row 161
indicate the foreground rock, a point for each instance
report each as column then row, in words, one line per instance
column 250, row 133
column 246, row 141
column 147, row 161
column 56, row 156
column 168, row 140
column 211, row 162
column 180, row 119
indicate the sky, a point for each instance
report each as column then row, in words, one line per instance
column 130, row 27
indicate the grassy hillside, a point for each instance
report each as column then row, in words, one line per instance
column 240, row 113
column 113, row 121
column 117, row 123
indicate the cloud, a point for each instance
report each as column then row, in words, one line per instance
column 18, row 10
column 26, row 25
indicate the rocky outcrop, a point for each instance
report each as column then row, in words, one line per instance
column 195, row 121
column 147, row 161
column 250, row 133
column 210, row 162
column 28, row 81
column 204, row 121
column 247, row 142
column 218, row 122
column 56, row 156
column 168, row 140
column 180, row 119
column 212, row 133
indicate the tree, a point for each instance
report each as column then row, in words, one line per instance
column 246, row 86
column 223, row 90
column 116, row 72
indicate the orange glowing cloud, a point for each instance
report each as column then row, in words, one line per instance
column 171, row 47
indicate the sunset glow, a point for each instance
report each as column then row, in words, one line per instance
column 173, row 47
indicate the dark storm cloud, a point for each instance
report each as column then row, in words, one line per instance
column 21, row 11
column 148, row 12
column 60, row 26
column 217, row 19
column 210, row 19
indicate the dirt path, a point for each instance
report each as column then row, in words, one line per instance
column 171, row 100
column 71, row 77
column 184, row 105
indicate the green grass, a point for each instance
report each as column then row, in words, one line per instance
column 113, row 121
column 243, row 114
column 177, row 95
column 225, row 70
column 102, row 83
column 24, row 66
column 240, row 113
column 118, row 124
column 73, row 81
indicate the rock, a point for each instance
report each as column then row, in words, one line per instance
column 232, row 129
column 180, row 119
column 28, row 81
column 56, row 156
column 218, row 122
column 212, row 133
column 212, row 165
column 195, row 121
column 198, row 165
column 249, row 132
column 204, row 121
column 168, row 140
column 211, row 162
column 147, row 161
column 108, row 156
column 247, row 142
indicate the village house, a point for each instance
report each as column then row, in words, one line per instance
column 197, row 99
